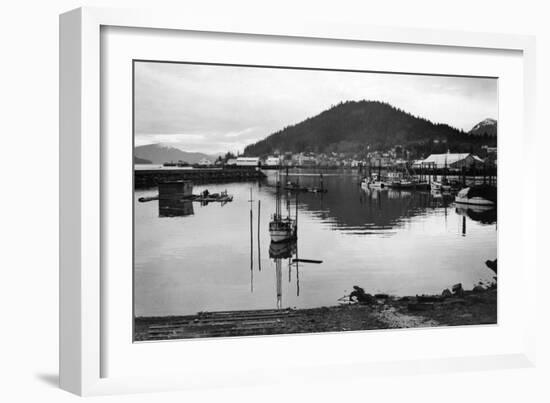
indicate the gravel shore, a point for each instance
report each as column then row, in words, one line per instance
column 384, row 312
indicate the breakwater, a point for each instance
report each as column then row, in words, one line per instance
column 145, row 178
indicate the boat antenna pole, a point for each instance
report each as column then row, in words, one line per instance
column 278, row 198
column 296, row 208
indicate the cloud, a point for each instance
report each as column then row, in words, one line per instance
column 217, row 108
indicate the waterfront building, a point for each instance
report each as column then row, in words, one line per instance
column 272, row 161
column 453, row 161
column 247, row 161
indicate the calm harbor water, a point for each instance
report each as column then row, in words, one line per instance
column 191, row 258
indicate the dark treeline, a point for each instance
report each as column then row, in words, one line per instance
column 359, row 127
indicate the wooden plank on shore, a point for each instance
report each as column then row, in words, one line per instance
column 221, row 323
column 249, row 315
column 215, row 324
column 225, row 333
column 221, row 330
column 245, row 311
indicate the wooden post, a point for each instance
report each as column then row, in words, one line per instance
column 296, row 214
column 259, row 257
column 251, row 247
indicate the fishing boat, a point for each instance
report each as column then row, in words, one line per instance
column 373, row 183
column 282, row 229
column 401, row 179
column 402, row 184
column 440, row 186
column 444, row 185
column 481, row 195
column 295, row 187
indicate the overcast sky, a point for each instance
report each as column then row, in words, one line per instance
column 223, row 108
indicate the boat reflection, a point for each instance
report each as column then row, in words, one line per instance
column 279, row 251
column 175, row 208
column 282, row 250
column 482, row 214
column 378, row 209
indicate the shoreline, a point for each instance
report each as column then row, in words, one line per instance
column 476, row 307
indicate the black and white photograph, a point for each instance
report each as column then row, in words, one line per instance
column 272, row 200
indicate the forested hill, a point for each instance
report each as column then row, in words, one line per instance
column 352, row 127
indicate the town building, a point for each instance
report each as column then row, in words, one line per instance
column 452, row 161
column 272, row 161
column 244, row 161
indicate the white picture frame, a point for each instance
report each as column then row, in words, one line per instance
column 82, row 308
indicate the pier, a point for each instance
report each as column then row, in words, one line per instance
column 145, row 178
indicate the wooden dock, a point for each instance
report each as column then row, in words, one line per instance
column 221, row 324
column 193, row 198
column 152, row 177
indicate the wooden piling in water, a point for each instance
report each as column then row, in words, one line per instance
column 251, row 248
column 259, row 257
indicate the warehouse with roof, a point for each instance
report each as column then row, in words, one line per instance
column 451, row 161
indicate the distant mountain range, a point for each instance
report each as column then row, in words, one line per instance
column 487, row 127
column 358, row 126
column 160, row 153
column 141, row 161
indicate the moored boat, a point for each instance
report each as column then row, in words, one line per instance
column 282, row 229
column 373, row 183
column 440, row 186
column 377, row 184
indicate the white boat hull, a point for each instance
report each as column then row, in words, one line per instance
column 377, row 185
column 475, row 201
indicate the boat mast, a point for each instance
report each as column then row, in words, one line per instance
column 278, row 199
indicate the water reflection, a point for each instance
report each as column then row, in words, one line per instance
column 483, row 214
column 175, row 208
column 378, row 211
column 279, row 252
column 221, row 258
